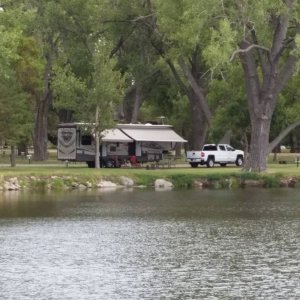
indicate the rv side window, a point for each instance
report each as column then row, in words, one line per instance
column 86, row 140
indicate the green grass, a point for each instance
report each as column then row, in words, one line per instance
column 83, row 170
column 23, row 160
column 182, row 176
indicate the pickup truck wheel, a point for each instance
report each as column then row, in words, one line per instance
column 210, row 162
column 194, row 165
column 239, row 161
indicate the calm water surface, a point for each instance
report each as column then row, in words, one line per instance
column 150, row 245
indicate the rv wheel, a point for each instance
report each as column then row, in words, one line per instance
column 91, row 164
column 110, row 164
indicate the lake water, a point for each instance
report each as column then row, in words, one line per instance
column 189, row 244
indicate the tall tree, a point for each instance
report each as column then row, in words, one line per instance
column 105, row 92
column 48, row 36
column 15, row 115
column 265, row 34
column 128, row 25
column 231, row 114
column 37, row 50
column 180, row 36
column 15, row 112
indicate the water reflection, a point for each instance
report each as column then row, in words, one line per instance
column 150, row 245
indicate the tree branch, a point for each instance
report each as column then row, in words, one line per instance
column 159, row 49
column 142, row 17
column 198, row 91
column 264, row 66
column 238, row 51
column 183, row 88
column 285, row 73
column 251, row 78
column 121, row 42
column 281, row 32
column 282, row 135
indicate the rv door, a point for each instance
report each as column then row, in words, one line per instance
column 66, row 143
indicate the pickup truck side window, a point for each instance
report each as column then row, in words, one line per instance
column 210, row 148
column 222, row 147
column 230, row 148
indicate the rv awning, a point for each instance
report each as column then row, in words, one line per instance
column 151, row 133
column 115, row 135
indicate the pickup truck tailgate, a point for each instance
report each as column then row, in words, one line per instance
column 193, row 155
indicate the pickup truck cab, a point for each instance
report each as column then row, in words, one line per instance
column 211, row 154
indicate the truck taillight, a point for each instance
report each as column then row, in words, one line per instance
column 202, row 154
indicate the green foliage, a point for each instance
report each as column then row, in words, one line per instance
column 271, row 181
column 15, row 113
column 29, row 67
column 248, row 176
column 214, row 176
column 57, row 184
column 9, row 41
column 39, row 184
column 221, row 45
column 145, row 179
column 290, row 106
column 69, row 91
column 228, row 97
column 186, row 23
column 183, row 180
column 106, row 87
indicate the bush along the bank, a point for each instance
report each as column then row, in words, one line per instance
column 212, row 181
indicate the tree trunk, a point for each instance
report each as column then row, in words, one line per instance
column 266, row 73
column 293, row 142
column 132, row 103
column 199, row 124
column 138, row 100
column 40, row 133
column 178, row 150
column 12, row 156
column 22, row 149
column 245, row 144
column 259, row 147
column 125, row 111
column 200, row 112
column 97, row 140
column 65, row 116
column 282, row 135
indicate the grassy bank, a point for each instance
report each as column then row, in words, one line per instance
column 60, row 176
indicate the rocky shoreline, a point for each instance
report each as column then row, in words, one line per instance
column 65, row 182
column 68, row 182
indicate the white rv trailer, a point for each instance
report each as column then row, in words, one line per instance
column 126, row 142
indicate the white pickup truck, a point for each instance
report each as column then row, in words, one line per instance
column 210, row 154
